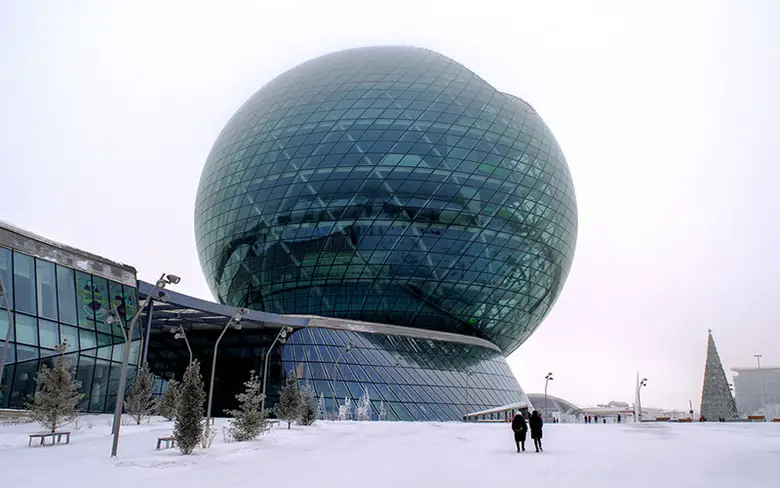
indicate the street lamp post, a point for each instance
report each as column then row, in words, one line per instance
column 165, row 279
column 638, row 402
column 178, row 333
column 235, row 319
column 548, row 377
column 347, row 348
column 7, row 334
column 280, row 337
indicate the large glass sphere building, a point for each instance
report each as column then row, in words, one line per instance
column 390, row 185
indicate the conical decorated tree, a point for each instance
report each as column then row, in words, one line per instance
column 140, row 400
column 248, row 420
column 716, row 400
column 309, row 406
column 170, row 400
column 56, row 399
column 188, row 429
column 289, row 406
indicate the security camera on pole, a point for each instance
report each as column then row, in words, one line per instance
column 157, row 293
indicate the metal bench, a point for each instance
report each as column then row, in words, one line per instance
column 56, row 438
column 169, row 441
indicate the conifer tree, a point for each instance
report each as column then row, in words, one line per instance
column 56, row 399
column 170, row 399
column 188, row 429
column 140, row 401
column 289, row 406
column 322, row 412
column 309, row 406
column 248, row 420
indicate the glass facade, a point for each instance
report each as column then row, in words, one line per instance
column 52, row 304
column 417, row 379
column 389, row 185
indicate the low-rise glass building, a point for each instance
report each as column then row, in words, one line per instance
column 57, row 294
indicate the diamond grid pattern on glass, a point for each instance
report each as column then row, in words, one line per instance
column 389, row 185
column 418, row 379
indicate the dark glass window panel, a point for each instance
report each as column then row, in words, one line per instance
column 4, row 326
column 66, row 295
column 6, row 267
column 47, row 289
column 26, row 329
column 100, row 381
column 70, row 335
column 49, row 333
column 85, row 374
column 26, row 353
column 24, row 283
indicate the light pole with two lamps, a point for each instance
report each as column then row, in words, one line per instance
column 281, row 337
column 638, row 401
column 235, row 319
column 547, row 378
column 157, row 293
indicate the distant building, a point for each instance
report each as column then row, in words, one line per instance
column 755, row 388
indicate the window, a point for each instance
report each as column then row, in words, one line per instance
column 84, row 301
column 4, row 326
column 26, row 329
column 66, row 291
column 47, row 289
column 70, row 335
column 24, row 283
column 5, row 276
column 49, row 334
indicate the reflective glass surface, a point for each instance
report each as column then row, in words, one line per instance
column 51, row 301
column 390, row 185
column 416, row 379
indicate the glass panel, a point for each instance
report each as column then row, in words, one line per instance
column 87, row 338
column 4, row 326
column 70, row 335
column 85, row 373
column 24, row 283
column 99, row 386
column 66, row 291
column 47, row 289
column 49, row 333
column 100, row 298
column 116, row 299
column 26, row 329
column 25, row 353
column 131, row 302
column 5, row 275
column 84, row 300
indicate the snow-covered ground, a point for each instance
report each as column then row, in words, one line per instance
column 379, row 454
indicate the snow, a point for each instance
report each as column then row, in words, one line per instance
column 395, row 454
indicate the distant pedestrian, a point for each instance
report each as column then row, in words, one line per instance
column 596, row 418
column 521, row 429
column 619, row 418
column 536, row 430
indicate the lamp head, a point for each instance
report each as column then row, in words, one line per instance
column 172, row 279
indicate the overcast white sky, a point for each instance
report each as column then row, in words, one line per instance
column 666, row 111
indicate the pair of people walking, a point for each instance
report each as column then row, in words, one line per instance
column 520, row 427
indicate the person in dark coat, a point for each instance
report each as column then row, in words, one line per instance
column 521, row 429
column 536, row 430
